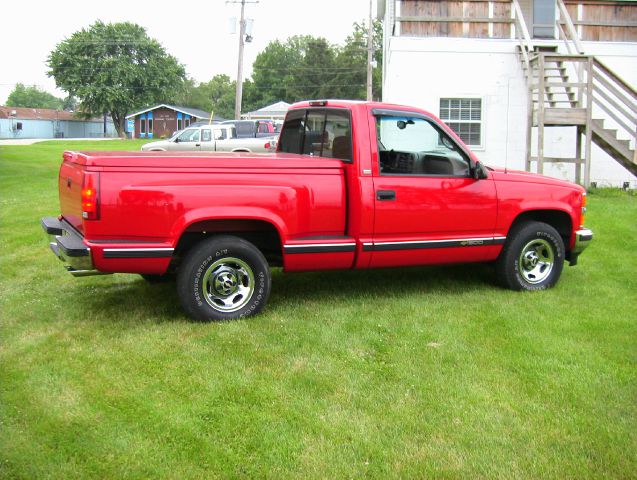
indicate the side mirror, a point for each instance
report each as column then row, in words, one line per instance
column 177, row 140
column 479, row 172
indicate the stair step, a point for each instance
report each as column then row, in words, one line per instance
column 620, row 150
column 545, row 48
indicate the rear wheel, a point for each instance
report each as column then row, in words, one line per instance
column 532, row 258
column 223, row 278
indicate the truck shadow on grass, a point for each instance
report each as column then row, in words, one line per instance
column 379, row 283
column 135, row 299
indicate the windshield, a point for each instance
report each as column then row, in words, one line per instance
column 189, row 135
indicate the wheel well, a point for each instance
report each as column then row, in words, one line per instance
column 261, row 234
column 560, row 221
column 239, row 150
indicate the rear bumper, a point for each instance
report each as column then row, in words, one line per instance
column 68, row 245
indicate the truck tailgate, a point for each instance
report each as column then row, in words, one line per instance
column 70, row 189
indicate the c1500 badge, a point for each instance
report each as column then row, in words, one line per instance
column 469, row 243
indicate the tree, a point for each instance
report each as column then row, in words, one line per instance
column 301, row 68
column 351, row 62
column 305, row 67
column 114, row 68
column 216, row 95
column 314, row 75
column 273, row 73
column 32, row 97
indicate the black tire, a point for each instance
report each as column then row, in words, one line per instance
column 223, row 278
column 532, row 257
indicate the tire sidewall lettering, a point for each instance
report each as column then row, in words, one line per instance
column 547, row 236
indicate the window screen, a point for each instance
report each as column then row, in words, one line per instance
column 464, row 116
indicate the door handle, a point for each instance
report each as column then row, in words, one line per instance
column 385, row 195
column 197, row 144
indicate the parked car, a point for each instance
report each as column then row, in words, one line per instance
column 252, row 128
column 353, row 185
column 211, row 138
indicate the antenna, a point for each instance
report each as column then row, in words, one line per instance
column 506, row 137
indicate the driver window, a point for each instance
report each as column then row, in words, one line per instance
column 415, row 146
column 189, row 135
column 205, row 135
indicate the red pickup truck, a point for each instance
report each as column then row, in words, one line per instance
column 352, row 185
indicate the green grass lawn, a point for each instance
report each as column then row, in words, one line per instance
column 429, row 372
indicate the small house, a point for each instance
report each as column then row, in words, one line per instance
column 162, row 120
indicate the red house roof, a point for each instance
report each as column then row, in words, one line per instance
column 37, row 114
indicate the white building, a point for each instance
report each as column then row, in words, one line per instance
column 276, row 111
column 466, row 62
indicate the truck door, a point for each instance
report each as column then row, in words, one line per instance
column 188, row 140
column 207, row 140
column 428, row 208
column 222, row 142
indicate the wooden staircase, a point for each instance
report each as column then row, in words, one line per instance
column 576, row 90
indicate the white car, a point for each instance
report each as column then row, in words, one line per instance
column 211, row 138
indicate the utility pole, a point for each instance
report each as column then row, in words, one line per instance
column 242, row 38
column 239, row 92
column 370, row 51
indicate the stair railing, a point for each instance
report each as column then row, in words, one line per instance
column 568, row 34
column 616, row 98
column 522, row 34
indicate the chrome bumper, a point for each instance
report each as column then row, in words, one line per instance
column 583, row 238
column 68, row 246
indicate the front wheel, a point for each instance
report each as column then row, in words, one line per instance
column 532, row 258
column 223, row 278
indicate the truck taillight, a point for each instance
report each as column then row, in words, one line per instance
column 90, row 199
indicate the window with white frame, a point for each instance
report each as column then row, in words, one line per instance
column 464, row 116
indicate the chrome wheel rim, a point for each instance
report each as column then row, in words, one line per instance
column 536, row 261
column 228, row 284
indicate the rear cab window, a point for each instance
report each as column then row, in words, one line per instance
column 321, row 132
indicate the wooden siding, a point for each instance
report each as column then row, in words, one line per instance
column 604, row 21
column 527, row 12
column 599, row 20
column 469, row 18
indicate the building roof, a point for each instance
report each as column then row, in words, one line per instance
column 38, row 114
column 278, row 108
column 193, row 112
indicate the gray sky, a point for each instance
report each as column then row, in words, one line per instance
column 195, row 31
